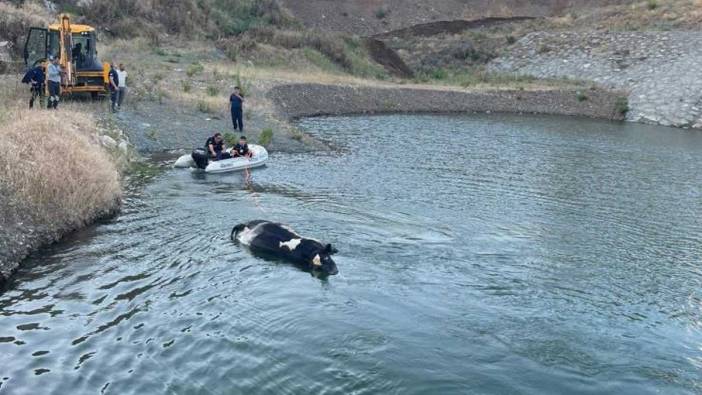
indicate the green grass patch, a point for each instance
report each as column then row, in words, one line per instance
column 194, row 69
column 160, row 51
column 319, row 60
column 382, row 12
column 212, row 90
column 266, row 137
column 621, row 105
column 475, row 76
column 230, row 139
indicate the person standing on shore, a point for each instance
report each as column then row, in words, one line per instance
column 35, row 77
column 53, row 76
column 114, row 86
column 122, row 74
column 237, row 106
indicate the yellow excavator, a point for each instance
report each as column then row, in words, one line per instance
column 76, row 48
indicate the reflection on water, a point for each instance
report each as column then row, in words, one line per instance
column 488, row 254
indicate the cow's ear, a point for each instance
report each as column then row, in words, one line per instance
column 329, row 249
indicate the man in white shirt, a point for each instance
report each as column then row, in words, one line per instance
column 53, row 76
column 122, row 73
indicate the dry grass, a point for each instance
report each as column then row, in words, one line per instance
column 52, row 165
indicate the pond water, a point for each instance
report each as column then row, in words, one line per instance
column 478, row 254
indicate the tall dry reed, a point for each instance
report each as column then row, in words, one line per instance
column 54, row 169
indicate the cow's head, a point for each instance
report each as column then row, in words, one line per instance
column 323, row 261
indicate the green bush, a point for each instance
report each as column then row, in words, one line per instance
column 581, row 96
column 510, row 40
column 195, row 68
column 439, row 74
column 230, row 139
column 187, row 87
column 266, row 137
column 160, row 51
column 652, row 4
column 381, row 12
column 318, row 59
column 212, row 90
column 621, row 105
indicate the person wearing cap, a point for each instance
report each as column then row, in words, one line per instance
column 114, row 86
column 242, row 149
column 53, row 77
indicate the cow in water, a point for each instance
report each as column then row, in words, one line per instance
column 280, row 241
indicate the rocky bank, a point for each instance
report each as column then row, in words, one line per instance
column 659, row 70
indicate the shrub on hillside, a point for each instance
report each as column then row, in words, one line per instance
column 333, row 46
column 381, row 12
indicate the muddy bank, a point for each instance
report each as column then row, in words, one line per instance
column 22, row 235
column 303, row 100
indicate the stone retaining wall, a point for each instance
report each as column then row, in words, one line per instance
column 660, row 70
column 302, row 100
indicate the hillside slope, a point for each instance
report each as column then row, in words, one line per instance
column 369, row 17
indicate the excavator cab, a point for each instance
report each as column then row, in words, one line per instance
column 76, row 48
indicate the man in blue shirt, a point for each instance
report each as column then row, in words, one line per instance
column 237, row 102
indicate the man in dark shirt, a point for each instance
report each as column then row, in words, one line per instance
column 215, row 147
column 237, row 104
column 242, row 149
column 35, row 77
column 114, row 86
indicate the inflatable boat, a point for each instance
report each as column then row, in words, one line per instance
column 199, row 160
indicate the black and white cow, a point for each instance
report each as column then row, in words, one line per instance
column 282, row 242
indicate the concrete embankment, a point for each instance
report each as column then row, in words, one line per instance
column 660, row 69
column 303, row 100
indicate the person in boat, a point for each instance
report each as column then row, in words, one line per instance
column 215, row 147
column 241, row 149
